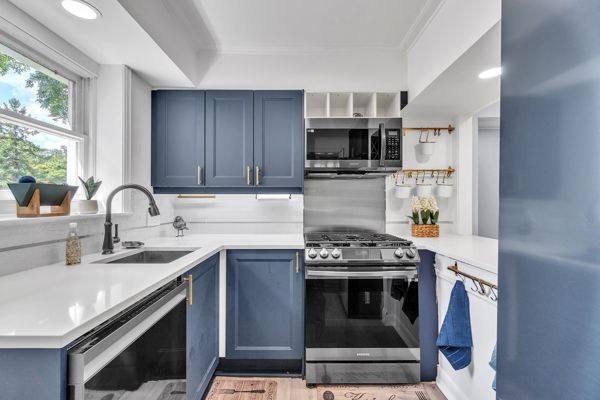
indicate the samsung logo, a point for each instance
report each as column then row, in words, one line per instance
column 363, row 354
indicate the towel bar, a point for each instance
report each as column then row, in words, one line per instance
column 494, row 296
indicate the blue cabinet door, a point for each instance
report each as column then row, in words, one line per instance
column 177, row 138
column 265, row 305
column 203, row 328
column 279, row 138
column 229, row 138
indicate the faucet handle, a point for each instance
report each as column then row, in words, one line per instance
column 116, row 238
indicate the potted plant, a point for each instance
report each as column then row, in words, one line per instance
column 90, row 186
column 425, row 215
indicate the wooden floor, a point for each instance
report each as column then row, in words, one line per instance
column 295, row 389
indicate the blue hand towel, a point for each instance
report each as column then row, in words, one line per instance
column 493, row 365
column 455, row 340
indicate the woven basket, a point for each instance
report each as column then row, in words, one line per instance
column 425, row 230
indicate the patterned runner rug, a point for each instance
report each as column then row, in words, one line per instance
column 236, row 389
column 395, row 392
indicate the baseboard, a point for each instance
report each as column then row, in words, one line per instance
column 448, row 387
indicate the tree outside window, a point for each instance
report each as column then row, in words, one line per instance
column 26, row 90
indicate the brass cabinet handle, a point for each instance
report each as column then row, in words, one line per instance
column 247, row 175
column 190, row 290
column 257, row 179
column 297, row 263
column 199, row 175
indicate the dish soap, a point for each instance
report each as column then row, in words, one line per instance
column 73, row 253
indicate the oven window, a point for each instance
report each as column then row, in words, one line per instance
column 341, row 144
column 362, row 313
column 152, row 367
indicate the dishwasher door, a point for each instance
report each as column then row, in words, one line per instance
column 138, row 354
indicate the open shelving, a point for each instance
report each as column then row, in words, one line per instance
column 352, row 104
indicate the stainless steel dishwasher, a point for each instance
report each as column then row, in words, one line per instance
column 138, row 354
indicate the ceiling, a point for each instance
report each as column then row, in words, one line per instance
column 308, row 44
column 458, row 90
column 308, row 25
column 116, row 38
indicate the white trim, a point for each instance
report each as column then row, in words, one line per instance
column 19, row 119
column 126, row 160
column 222, row 302
column 423, row 20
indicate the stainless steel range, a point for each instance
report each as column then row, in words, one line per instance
column 362, row 308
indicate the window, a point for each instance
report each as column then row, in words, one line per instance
column 37, row 124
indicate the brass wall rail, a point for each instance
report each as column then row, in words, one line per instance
column 409, row 172
column 494, row 296
column 449, row 128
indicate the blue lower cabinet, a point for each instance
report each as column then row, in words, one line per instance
column 39, row 374
column 203, row 328
column 265, row 305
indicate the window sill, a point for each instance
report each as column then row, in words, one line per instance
column 7, row 220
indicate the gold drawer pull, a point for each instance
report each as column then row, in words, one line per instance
column 247, row 175
column 297, row 263
column 257, row 179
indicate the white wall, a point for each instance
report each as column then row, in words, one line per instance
column 475, row 381
column 455, row 26
column 397, row 209
column 488, row 193
column 336, row 71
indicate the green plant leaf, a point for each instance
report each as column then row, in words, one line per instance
column 90, row 186
column 435, row 216
column 425, row 216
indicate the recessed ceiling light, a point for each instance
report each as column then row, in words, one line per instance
column 490, row 73
column 81, row 9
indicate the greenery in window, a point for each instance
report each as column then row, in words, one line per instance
column 22, row 150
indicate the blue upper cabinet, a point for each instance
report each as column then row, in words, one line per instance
column 278, row 138
column 203, row 327
column 229, row 138
column 177, row 138
column 265, row 292
column 227, row 141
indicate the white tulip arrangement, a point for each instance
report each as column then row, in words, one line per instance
column 424, row 211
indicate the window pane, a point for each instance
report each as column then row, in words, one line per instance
column 25, row 151
column 32, row 90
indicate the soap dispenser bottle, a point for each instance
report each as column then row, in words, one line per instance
column 73, row 250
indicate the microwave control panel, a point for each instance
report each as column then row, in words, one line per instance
column 393, row 148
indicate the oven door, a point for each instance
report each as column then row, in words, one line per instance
column 362, row 314
column 139, row 354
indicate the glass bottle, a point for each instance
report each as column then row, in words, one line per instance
column 73, row 253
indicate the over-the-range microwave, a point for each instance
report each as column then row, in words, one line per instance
column 354, row 150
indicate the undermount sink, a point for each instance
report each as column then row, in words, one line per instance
column 147, row 256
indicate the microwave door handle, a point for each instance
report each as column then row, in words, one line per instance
column 383, row 145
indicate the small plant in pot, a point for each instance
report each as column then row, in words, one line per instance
column 90, row 186
column 425, row 215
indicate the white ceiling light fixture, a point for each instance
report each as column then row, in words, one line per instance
column 81, row 9
column 490, row 73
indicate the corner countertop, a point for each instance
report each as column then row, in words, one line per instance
column 50, row 306
column 477, row 251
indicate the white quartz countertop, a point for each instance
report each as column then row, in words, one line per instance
column 50, row 306
column 474, row 250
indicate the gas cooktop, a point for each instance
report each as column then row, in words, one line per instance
column 358, row 248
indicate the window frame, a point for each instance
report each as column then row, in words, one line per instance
column 80, row 101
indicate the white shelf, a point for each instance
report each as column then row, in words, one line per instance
column 388, row 105
column 340, row 105
column 347, row 104
column 316, row 105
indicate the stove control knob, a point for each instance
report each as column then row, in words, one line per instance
column 336, row 253
column 324, row 253
column 399, row 253
column 411, row 253
column 312, row 253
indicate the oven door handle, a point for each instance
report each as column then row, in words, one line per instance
column 324, row 274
